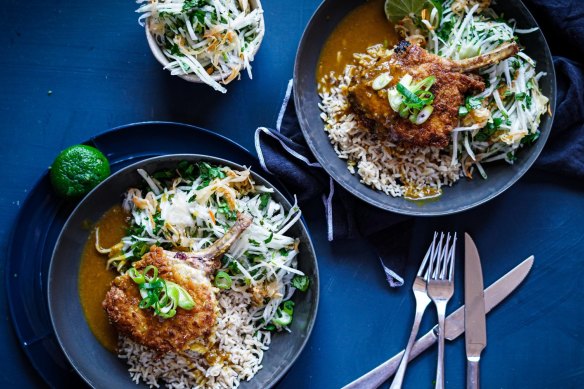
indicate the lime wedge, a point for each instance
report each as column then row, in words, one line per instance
column 396, row 10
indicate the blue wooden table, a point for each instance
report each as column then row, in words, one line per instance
column 70, row 70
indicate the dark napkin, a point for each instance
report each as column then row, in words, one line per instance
column 284, row 152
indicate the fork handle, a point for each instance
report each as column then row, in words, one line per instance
column 472, row 374
column 441, row 308
column 401, row 371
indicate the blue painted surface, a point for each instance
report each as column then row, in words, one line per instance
column 94, row 59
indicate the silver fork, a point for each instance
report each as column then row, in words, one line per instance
column 422, row 301
column 440, row 290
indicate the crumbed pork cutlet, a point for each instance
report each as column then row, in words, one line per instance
column 192, row 271
column 451, row 85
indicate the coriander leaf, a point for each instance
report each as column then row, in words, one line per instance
column 520, row 96
column 234, row 268
column 301, row 283
column 446, row 29
column 264, row 200
column 486, row 132
column 530, row 138
column 269, row 238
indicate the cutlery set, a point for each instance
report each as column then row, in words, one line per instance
column 434, row 283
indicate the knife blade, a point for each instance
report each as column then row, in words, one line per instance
column 475, row 325
column 494, row 294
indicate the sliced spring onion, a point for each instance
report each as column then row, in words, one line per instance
column 395, row 99
column 223, row 280
column 425, row 84
column 154, row 273
column 423, row 115
column 288, row 306
column 160, row 295
column 284, row 314
column 282, row 318
column 462, row 110
column 381, row 81
column 136, row 276
column 410, row 100
column 406, row 80
column 180, row 295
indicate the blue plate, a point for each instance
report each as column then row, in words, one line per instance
column 43, row 215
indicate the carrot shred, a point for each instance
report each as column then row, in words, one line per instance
column 212, row 216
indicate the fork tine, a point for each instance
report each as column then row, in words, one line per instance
column 451, row 259
column 437, row 258
column 423, row 271
column 440, row 257
column 444, row 260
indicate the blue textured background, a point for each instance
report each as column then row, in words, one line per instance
column 94, row 58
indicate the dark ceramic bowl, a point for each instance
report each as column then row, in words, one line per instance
column 102, row 369
column 463, row 195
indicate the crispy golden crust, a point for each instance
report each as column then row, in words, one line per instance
column 163, row 335
column 449, row 90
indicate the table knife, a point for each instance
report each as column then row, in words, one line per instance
column 494, row 294
column 475, row 326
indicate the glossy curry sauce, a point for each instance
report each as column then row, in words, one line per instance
column 95, row 279
column 363, row 27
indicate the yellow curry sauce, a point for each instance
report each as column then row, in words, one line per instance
column 95, row 279
column 363, row 27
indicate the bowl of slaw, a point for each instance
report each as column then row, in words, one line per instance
column 204, row 41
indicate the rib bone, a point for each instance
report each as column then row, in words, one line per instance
column 501, row 53
column 207, row 259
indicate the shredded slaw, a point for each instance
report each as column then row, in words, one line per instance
column 212, row 39
column 512, row 104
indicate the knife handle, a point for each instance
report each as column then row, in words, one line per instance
column 383, row 372
column 472, row 374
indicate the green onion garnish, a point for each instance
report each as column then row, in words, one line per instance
column 162, row 296
column 223, row 280
column 381, row 81
column 413, row 101
column 136, row 276
column 284, row 314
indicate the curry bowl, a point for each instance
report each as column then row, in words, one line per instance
column 463, row 194
column 88, row 357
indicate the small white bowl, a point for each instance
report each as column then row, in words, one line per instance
column 160, row 57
